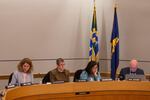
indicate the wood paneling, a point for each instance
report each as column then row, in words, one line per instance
column 112, row 90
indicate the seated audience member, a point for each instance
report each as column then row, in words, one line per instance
column 132, row 69
column 91, row 72
column 59, row 73
column 24, row 73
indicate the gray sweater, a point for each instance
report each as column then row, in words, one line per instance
column 21, row 77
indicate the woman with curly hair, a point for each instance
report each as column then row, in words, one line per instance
column 24, row 73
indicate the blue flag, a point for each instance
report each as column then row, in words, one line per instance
column 94, row 46
column 114, row 46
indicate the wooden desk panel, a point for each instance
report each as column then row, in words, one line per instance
column 113, row 90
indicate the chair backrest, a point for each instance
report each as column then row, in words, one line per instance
column 46, row 78
column 10, row 78
column 77, row 75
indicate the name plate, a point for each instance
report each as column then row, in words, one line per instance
column 134, row 79
column 10, row 86
column 81, row 81
column 107, row 80
column 26, row 84
column 57, row 82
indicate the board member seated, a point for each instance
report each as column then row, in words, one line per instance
column 59, row 73
column 132, row 69
column 91, row 72
column 24, row 73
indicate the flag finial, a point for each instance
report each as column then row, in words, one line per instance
column 115, row 4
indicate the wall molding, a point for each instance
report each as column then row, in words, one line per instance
column 51, row 59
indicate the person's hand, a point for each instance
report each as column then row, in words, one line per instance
column 95, row 74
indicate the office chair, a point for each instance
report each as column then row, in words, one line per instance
column 10, row 78
column 46, row 78
column 77, row 75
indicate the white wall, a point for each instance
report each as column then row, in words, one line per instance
column 48, row 29
column 133, row 17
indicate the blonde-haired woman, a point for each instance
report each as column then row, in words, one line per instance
column 24, row 73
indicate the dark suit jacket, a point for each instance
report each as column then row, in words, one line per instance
column 126, row 70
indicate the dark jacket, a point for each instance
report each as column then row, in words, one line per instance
column 126, row 70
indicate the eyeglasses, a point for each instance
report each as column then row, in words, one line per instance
column 62, row 64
